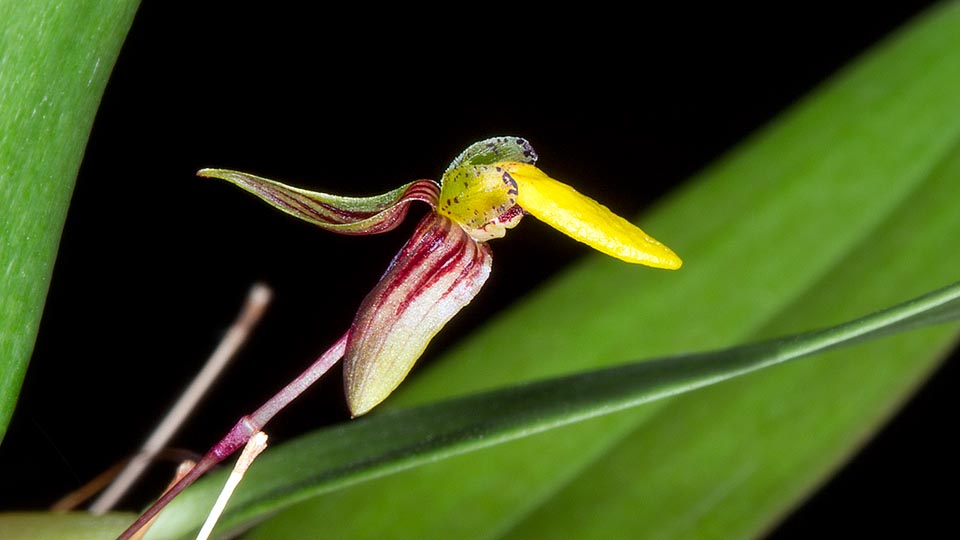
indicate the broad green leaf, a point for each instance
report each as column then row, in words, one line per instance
column 764, row 234
column 55, row 57
column 371, row 447
column 65, row 526
column 728, row 462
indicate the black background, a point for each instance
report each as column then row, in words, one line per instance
column 154, row 263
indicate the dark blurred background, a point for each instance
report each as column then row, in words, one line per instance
column 154, row 263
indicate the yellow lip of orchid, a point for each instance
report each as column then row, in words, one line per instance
column 586, row 220
column 493, row 183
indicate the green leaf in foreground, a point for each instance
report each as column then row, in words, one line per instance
column 62, row 526
column 378, row 445
column 55, row 57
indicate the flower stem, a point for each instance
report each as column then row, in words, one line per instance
column 245, row 428
column 255, row 305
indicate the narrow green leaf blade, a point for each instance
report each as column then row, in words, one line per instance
column 55, row 57
column 378, row 445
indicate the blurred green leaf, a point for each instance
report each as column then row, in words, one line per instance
column 63, row 526
column 730, row 461
column 55, row 57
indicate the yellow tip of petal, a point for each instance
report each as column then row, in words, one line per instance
column 586, row 220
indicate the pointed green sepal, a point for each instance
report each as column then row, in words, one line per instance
column 344, row 215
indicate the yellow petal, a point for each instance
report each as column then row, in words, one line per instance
column 586, row 220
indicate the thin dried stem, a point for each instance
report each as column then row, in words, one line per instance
column 245, row 428
column 253, row 309
column 80, row 495
column 256, row 445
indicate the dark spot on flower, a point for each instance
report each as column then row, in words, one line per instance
column 509, row 181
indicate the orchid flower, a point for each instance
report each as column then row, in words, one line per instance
column 486, row 190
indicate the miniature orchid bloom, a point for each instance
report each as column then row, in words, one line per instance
column 484, row 192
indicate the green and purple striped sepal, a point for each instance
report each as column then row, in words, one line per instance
column 344, row 215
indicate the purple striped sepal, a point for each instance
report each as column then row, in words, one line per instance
column 344, row 215
column 438, row 272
